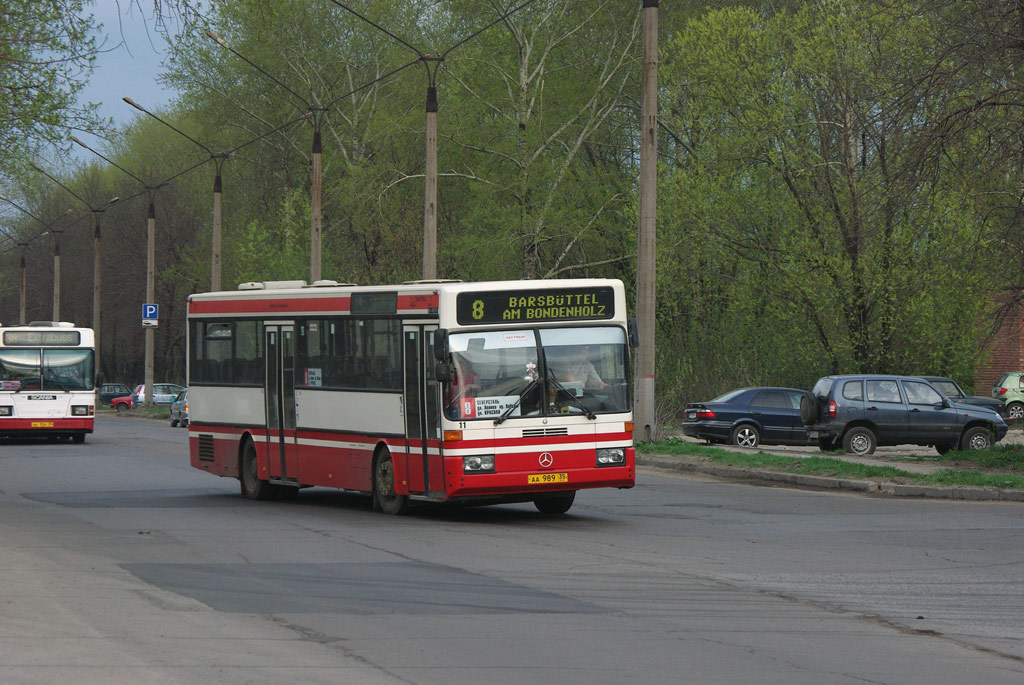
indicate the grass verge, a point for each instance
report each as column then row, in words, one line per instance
column 1006, row 464
column 143, row 412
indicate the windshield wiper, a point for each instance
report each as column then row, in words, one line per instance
column 512, row 407
column 572, row 397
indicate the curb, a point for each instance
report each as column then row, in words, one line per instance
column 696, row 465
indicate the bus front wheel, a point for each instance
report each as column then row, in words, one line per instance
column 555, row 504
column 385, row 498
column 248, row 474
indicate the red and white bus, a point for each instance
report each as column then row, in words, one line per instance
column 47, row 381
column 435, row 391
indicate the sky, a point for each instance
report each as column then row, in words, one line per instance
column 130, row 63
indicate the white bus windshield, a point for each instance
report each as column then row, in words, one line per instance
column 534, row 372
column 33, row 369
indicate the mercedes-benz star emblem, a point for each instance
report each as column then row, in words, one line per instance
column 546, row 459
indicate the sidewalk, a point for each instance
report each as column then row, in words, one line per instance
column 697, row 464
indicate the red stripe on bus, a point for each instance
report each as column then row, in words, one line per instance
column 54, row 424
column 298, row 304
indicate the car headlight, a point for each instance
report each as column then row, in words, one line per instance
column 611, row 456
column 478, row 464
column 7, row 410
column 81, row 410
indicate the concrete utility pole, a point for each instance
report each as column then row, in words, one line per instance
column 316, row 114
column 56, row 256
column 150, row 266
column 56, row 274
column 96, row 262
column 21, row 294
column 430, row 153
column 316, row 208
column 647, row 228
column 430, row 186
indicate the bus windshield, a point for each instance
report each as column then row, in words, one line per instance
column 33, row 369
column 535, row 372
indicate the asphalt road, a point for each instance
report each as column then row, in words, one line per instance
column 121, row 564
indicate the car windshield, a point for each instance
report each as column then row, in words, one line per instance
column 534, row 372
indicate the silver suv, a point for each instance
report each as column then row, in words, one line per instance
column 861, row 412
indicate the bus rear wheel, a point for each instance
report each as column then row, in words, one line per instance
column 248, row 475
column 555, row 504
column 385, row 498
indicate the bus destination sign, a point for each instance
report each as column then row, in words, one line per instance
column 528, row 306
column 42, row 338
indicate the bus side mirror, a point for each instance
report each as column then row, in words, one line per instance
column 634, row 337
column 99, row 380
column 440, row 344
column 441, row 372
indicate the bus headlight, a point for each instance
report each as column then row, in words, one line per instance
column 611, row 456
column 479, row 464
column 7, row 410
column 81, row 410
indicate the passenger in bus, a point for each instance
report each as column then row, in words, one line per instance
column 579, row 369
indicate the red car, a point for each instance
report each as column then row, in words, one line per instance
column 122, row 404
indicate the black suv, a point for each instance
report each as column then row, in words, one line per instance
column 861, row 412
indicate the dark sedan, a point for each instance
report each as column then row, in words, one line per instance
column 108, row 391
column 749, row 417
column 952, row 390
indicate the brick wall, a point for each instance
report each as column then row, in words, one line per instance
column 1005, row 353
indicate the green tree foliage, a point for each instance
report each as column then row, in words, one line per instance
column 810, row 236
column 46, row 52
column 839, row 183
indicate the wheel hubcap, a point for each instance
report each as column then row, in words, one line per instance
column 384, row 479
column 860, row 444
column 1016, row 411
column 745, row 438
column 979, row 442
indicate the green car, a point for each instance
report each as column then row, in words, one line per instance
column 1010, row 389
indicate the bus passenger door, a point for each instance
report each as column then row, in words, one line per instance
column 422, row 414
column 282, row 449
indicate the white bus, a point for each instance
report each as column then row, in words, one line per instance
column 433, row 391
column 47, row 381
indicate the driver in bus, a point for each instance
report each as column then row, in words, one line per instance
column 580, row 370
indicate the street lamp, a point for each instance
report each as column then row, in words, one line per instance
column 430, row 152
column 96, row 262
column 56, row 257
column 218, row 159
column 316, row 114
column 150, row 263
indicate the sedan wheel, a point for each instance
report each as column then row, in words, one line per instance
column 745, row 436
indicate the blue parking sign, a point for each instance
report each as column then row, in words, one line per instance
column 149, row 311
